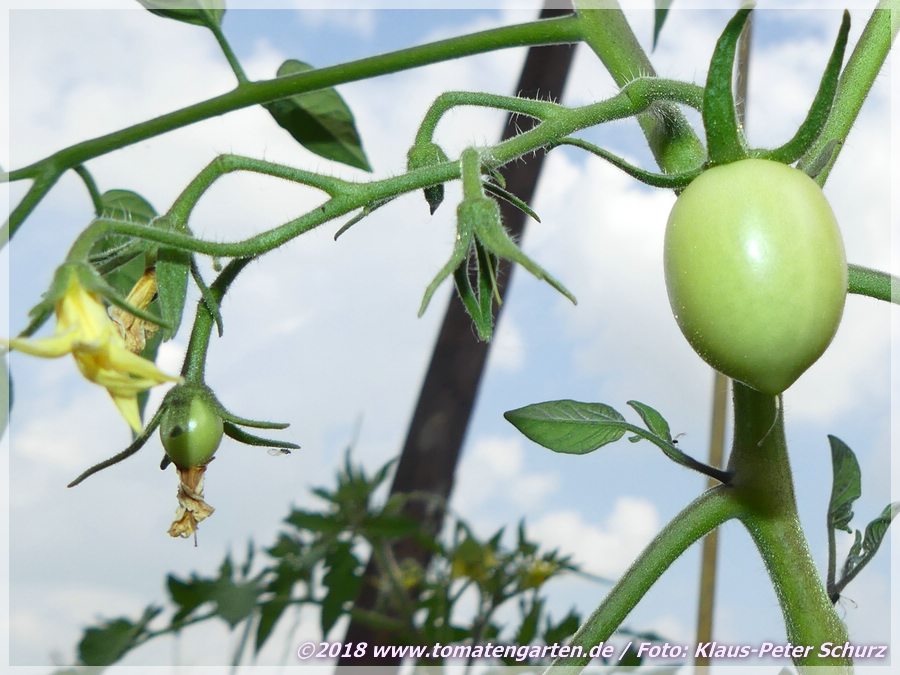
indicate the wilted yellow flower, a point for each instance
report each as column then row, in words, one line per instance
column 134, row 330
column 84, row 329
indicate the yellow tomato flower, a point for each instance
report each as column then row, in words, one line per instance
column 84, row 329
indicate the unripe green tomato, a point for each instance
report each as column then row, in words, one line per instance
column 755, row 271
column 191, row 432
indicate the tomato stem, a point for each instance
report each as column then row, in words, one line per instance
column 763, row 485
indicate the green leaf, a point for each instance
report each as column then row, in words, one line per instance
column 315, row 522
column 866, row 546
column 527, row 631
column 197, row 12
column 424, row 155
column 845, row 486
column 320, row 121
column 342, row 582
column 659, row 18
column 114, row 250
column 234, row 602
column 723, row 136
column 172, row 269
column 569, row 426
column 654, row 421
column 108, row 643
column 188, row 595
column 270, row 612
column 556, row 634
column 127, row 205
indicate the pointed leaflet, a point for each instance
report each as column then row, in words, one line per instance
column 569, row 426
column 108, row 643
column 845, row 486
column 659, row 18
column 655, row 422
column 197, row 12
column 319, row 120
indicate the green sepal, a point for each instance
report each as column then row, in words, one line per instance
column 508, row 196
column 257, row 424
column 423, row 155
column 818, row 113
column 242, row 436
column 674, row 181
column 136, row 445
column 365, row 211
column 204, row 13
column 484, row 216
column 659, row 18
column 209, row 298
column 724, row 140
column 319, row 120
column 464, row 236
column 47, row 305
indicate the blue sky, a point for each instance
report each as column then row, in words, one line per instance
column 321, row 333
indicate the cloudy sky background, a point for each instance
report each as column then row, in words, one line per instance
column 322, row 333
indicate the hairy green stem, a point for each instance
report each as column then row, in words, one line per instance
column 859, row 74
column 762, row 483
column 451, row 99
column 91, row 186
column 873, row 283
column 632, row 99
column 46, row 171
column 711, row 509
column 232, row 58
column 671, row 138
column 225, row 164
column 195, row 359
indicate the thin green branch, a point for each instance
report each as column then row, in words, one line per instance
column 873, row 283
column 224, row 164
column 672, row 140
column 661, row 180
column 91, row 186
column 700, row 517
column 195, row 359
column 632, row 99
column 540, row 110
column 46, row 171
column 232, row 58
column 856, row 81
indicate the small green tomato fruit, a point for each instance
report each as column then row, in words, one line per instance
column 191, row 432
column 756, row 272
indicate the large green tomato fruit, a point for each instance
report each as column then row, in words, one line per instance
column 191, row 432
column 755, row 271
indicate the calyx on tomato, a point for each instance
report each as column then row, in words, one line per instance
column 191, row 430
column 755, row 271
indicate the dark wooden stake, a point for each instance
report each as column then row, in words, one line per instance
column 431, row 451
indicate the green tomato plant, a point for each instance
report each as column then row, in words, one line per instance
column 754, row 265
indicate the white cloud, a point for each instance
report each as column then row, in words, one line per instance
column 607, row 548
column 359, row 22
